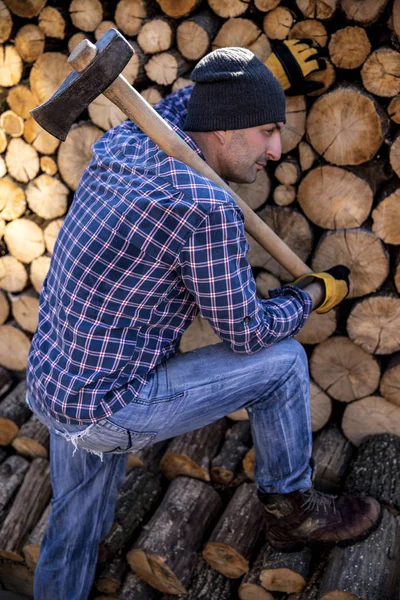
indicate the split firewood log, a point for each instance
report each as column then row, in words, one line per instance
column 26, row 8
column 292, row 228
column 50, row 234
column 206, row 584
column 195, row 34
column 14, row 412
column 6, row 23
column 52, row 23
column 288, row 171
column 317, row 9
column 229, row 8
column 156, row 35
column 3, row 140
column 332, row 454
column 41, row 140
column 359, row 250
column 25, row 309
column 15, row 576
column 32, row 440
column 21, row 100
column 30, row 502
column 102, row 28
column 104, row 113
column 14, row 347
column 381, row 73
column 278, row 22
column 254, row 194
column 137, row 498
column 390, row 382
column 24, row 240
column 197, row 335
column 134, row 588
column 393, row 109
column 266, row 5
column 130, row 15
column 232, row 541
column 243, row 33
column 4, row 312
column 276, row 572
column 38, row 271
column 295, row 126
column 75, row 153
column 12, row 473
column 307, row 156
column 348, row 573
column 31, row 548
column 111, row 576
column 186, row 512
column 239, row 415
column 318, row 328
column 334, row 198
column 48, row 73
column 248, row 464
column 344, row 370
column 265, row 282
column 321, row 407
column 48, row 165
column 374, row 323
column 22, row 160
column 13, row 275
column 284, row 195
column 12, row 200
column 47, row 197
column 365, row 12
column 176, row 10
column 29, row 42
column 349, row 47
column 10, row 66
column 385, row 218
column 165, row 67
column 370, row 416
column 346, row 126
column 394, row 156
column 225, row 465
column 12, row 123
column 148, row 459
column 86, row 14
column 191, row 453
column 378, row 456
column 311, row 29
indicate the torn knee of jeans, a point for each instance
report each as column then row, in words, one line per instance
column 73, row 437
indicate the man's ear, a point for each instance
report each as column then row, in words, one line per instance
column 222, row 136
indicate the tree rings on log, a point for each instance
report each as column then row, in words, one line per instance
column 344, row 127
column 14, row 348
column 40, row 139
column 317, row 9
column 390, row 382
column 245, row 34
column 12, row 123
column 374, row 324
column 165, row 67
column 179, row 9
column 29, row 42
column 364, row 12
column 321, row 407
column 393, row 110
column 12, row 200
column 295, row 126
column 194, row 35
column 13, row 275
column 318, row 328
column 156, row 36
column 48, row 165
column 310, row 29
column 229, row 8
column 277, row 23
column 10, row 66
column 284, row 195
column 50, row 234
column 21, row 100
column 86, row 14
column 25, row 310
column 334, row 198
column 266, row 5
column 24, row 240
column 349, row 47
column 38, row 271
column 359, row 250
column 22, row 160
column 395, row 156
column 344, row 370
column 104, row 113
column 254, row 194
column 130, row 15
column 52, row 23
column 32, row 440
column 75, row 153
column 48, row 73
column 370, row 416
column 6, row 23
column 381, row 73
column 386, row 219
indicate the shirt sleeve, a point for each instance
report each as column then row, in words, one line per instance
column 173, row 108
column 217, row 273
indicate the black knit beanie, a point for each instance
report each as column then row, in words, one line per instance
column 233, row 90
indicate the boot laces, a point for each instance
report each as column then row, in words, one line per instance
column 318, row 500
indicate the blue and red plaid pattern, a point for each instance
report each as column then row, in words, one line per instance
column 146, row 245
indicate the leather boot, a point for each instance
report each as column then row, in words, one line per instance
column 311, row 517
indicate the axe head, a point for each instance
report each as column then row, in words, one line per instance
column 57, row 114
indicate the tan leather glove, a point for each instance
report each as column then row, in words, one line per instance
column 337, row 287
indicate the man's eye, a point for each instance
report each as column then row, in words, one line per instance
column 269, row 132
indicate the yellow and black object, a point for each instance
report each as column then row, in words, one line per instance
column 337, row 286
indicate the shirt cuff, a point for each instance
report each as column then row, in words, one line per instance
column 301, row 296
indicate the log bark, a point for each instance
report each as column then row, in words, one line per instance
column 6, row 382
column 31, row 548
column 318, row 328
column 317, row 9
column 225, row 465
column 32, row 440
column 343, row 136
column 348, row 573
column 47, row 197
column 381, row 73
column 344, row 370
column 364, row 12
column 12, row 473
column 75, row 153
column 373, row 324
column 207, row 584
column 321, row 407
column 359, row 250
column 185, row 514
column 292, row 228
column 12, row 123
column 86, row 14
column 14, row 412
column 29, row 42
column 22, row 160
column 156, row 35
column 13, row 275
column 311, row 29
column 52, row 23
column 278, row 22
column 390, row 382
column 191, row 453
column 34, row 493
column 332, row 454
column 243, row 33
column 195, row 34
column 370, row 416
column 335, row 198
column 349, row 47
column 376, row 469
column 254, row 194
column 135, row 589
column 137, row 498
column 48, row 73
column 111, row 577
column 10, row 66
column 233, row 539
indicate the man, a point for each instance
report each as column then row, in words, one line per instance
column 146, row 245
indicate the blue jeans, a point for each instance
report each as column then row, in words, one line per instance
column 185, row 393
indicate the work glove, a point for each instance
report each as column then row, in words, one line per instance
column 292, row 61
column 337, row 286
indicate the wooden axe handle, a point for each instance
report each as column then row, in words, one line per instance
column 123, row 95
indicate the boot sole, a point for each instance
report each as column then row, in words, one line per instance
column 298, row 546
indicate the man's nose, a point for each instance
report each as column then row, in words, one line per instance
column 274, row 149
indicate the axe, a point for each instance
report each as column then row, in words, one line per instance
column 98, row 71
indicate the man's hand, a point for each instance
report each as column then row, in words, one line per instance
column 335, row 286
column 291, row 62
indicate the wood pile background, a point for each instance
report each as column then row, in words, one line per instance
column 333, row 198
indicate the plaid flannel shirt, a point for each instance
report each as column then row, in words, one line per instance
column 145, row 246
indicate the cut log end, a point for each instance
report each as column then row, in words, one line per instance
column 153, row 570
column 173, row 465
column 225, row 560
column 282, row 580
